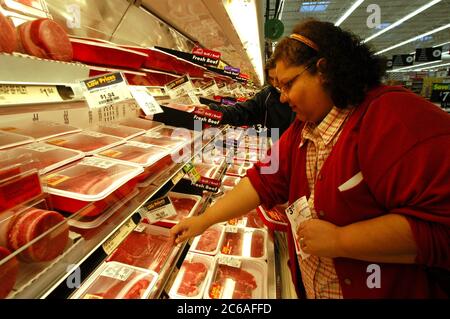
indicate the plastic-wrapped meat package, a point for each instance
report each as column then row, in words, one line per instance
column 8, row 140
column 146, row 125
column 185, row 205
column 209, row 242
column 244, row 242
column 207, row 170
column 40, row 130
column 230, row 181
column 126, row 132
column 254, row 220
column 9, row 269
column 89, row 180
column 87, row 141
column 241, row 279
column 149, row 248
column 190, row 281
column 136, row 152
column 173, row 132
column 274, row 218
column 114, row 280
column 45, row 157
column 167, row 142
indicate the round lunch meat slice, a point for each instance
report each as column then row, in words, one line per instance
column 52, row 38
column 8, row 37
column 8, row 273
column 28, row 45
column 32, row 224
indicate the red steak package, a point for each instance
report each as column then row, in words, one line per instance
column 8, row 140
column 87, row 141
column 237, row 278
column 45, row 157
column 166, row 142
column 126, row 132
column 113, row 280
column 147, row 247
column 244, row 242
column 39, row 130
column 146, row 125
column 274, row 218
column 251, row 220
column 190, row 282
column 89, row 180
column 209, row 242
column 185, row 206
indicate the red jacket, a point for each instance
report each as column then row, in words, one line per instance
column 401, row 144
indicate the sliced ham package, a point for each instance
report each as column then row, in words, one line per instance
column 147, row 247
column 146, row 125
column 237, row 278
column 185, row 205
column 88, row 142
column 113, row 280
column 8, row 140
column 190, row 282
column 126, row 132
column 40, row 130
column 89, row 180
column 209, row 242
column 244, row 242
column 45, row 157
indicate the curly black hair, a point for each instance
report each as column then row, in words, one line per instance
column 351, row 67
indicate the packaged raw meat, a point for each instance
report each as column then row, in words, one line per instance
column 162, row 141
column 147, row 247
column 113, row 280
column 209, row 242
column 45, row 157
column 8, row 36
column 190, row 282
column 101, row 53
column 126, row 132
column 251, row 220
column 146, row 125
column 138, row 153
column 173, row 132
column 275, row 218
column 8, row 140
column 237, row 278
column 89, row 180
column 207, row 170
column 9, row 268
column 230, row 181
column 159, row 169
column 40, row 130
column 185, row 205
column 244, row 242
column 181, row 107
column 87, row 142
column 43, row 234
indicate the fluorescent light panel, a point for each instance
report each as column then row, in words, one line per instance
column 348, row 12
column 433, row 66
column 438, row 45
column 417, row 65
column 405, row 18
column 414, row 38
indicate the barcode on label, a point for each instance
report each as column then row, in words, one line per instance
column 230, row 261
column 119, row 272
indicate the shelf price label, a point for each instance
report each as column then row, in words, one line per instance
column 114, row 241
column 117, row 271
column 180, row 87
column 22, row 94
column 145, row 100
column 190, row 170
column 155, row 210
column 105, row 90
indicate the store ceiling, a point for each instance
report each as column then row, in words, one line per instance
column 391, row 10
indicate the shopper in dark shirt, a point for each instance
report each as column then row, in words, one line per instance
column 264, row 110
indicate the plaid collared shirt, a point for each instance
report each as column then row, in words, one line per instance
column 318, row 273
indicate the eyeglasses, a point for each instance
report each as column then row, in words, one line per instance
column 284, row 89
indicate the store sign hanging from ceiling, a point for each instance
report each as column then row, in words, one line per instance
column 428, row 54
column 402, row 60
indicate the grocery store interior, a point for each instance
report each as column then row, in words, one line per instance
column 121, row 119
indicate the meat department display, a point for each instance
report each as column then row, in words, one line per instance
column 45, row 157
column 209, row 242
column 87, row 141
column 8, row 36
column 8, row 272
column 251, row 220
column 230, row 181
column 244, row 242
column 148, row 249
column 248, row 281
column 8, row 140
column 39, row 130
column 190, row 282
column 113, row 280
column 146, row 125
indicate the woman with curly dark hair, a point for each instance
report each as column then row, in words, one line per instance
column 365, row 168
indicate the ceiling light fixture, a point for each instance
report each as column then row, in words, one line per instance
column 414, row 38
column 417, row 65
column 405, row 18
column 433, row 67
column 438, row 45
column 348, row 12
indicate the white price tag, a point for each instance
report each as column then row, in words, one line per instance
column 93, row 134
column 97, row 162
column 17, row 94
column 231, row 229
column 297, row 213
column 42, row 148
column 145, row 100
column 177, row 177
column 140, row 228
column 105, row 90
column 158, row 209
column 139, row 144
column 182, row 87
column 116, row 271
column 230, row 261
